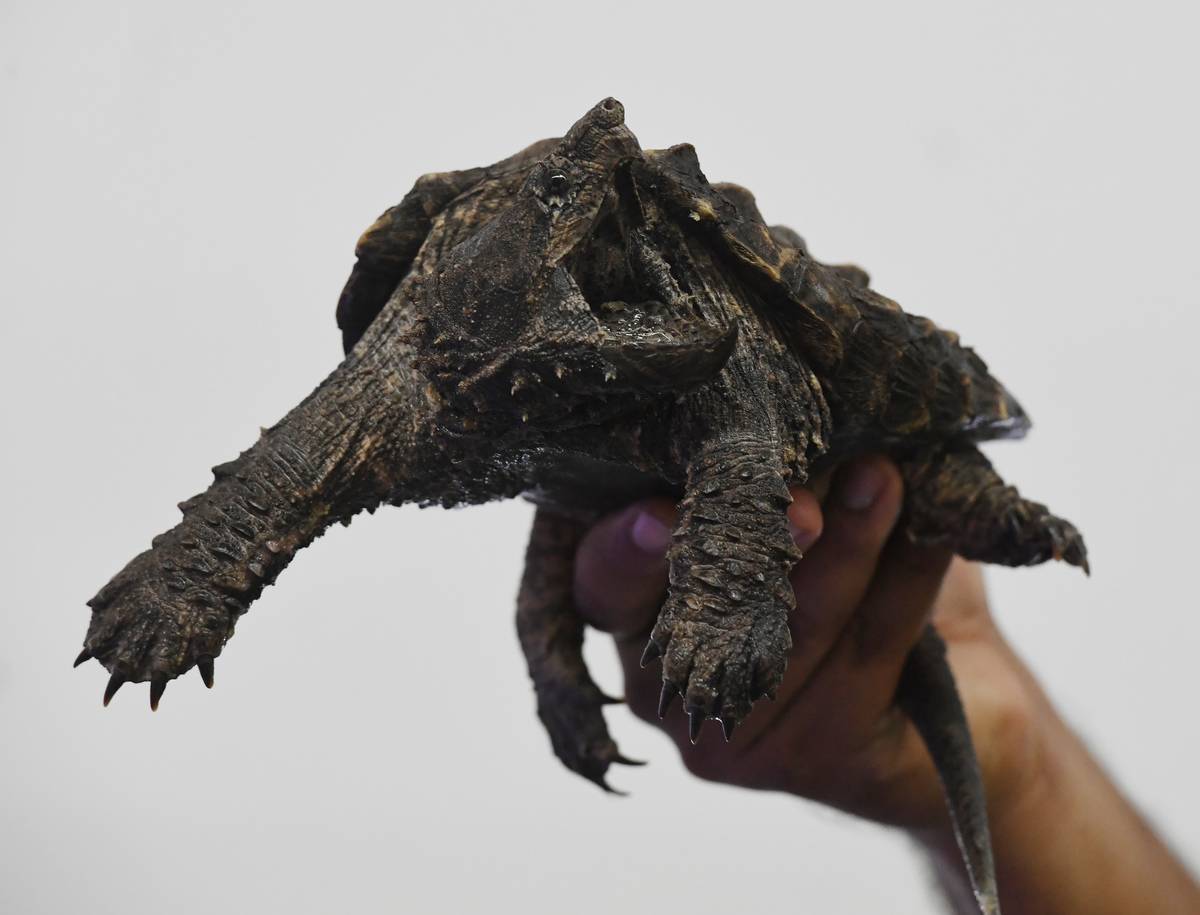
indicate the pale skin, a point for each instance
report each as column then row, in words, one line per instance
column 1066, row 841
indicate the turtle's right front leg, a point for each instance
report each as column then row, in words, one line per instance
column 551, row 632
column 723, row 632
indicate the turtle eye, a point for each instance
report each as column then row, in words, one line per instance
column 558, row 184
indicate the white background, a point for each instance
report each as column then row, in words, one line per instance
column 181, row 186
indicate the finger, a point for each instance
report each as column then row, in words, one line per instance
column 898, row 604
column 819, row 484
column 805, row 519
column 863, row 670
column 621, row 568
column 835, row 574
column 857, row 679
column 961, row 609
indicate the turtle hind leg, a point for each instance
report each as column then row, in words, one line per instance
column 569, row 702
column 928, row 696
column 955, row 497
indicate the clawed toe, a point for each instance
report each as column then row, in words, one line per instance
column 157, row 688
column 158, row 683
column 1033, row 535
column 666, row 697
column 571, row 713
column 1068, row 544
column 144, row 629
column 696, row 716
column 115, row 682
column 652, row 652
column 719, row 673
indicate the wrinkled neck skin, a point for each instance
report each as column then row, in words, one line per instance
column 586, row 444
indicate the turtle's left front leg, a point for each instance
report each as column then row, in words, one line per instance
column 723, row 632
column 551, row 632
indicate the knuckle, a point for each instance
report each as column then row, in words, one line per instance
column 891, row 489
column 644, row 706
column 703, row 765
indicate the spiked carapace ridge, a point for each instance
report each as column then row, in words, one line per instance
column 587, row 323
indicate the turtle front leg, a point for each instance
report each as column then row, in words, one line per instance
column 723, row 632
column 361, row 438
column 569, row 702
column 955, row 497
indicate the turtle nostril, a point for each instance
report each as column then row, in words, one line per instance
column 612, row 113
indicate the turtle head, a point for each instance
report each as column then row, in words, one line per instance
column 492, row 285
column 527, row 315
column 567, row 193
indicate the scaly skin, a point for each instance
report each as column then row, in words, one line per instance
column 589, row 322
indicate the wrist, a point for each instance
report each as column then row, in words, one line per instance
column 1065, row 839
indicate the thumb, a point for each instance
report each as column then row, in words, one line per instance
column 621, row 568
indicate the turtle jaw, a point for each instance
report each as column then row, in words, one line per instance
column 651, row 336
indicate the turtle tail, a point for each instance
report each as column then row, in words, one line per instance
column 928, row 696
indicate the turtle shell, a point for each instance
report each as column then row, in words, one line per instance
column 892, row 376
column 386, row 250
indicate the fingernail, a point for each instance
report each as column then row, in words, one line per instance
column 803, row 537
column 649, row 534
column 862, row 487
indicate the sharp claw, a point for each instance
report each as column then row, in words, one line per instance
column 652, row 653
column 115, row 682
column 84, row 655
column 666, row 697
column 626, row 761
column 728, row 725
column 988, row 903
column 205, row 666
column 157, row 688
column 695, row 719
column 609, row 789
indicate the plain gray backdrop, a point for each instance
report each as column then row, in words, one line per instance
column 181, row 186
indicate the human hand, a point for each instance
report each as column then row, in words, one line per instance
column 1065, row 838
column 863, row 594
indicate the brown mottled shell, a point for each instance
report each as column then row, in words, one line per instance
column 386, row 250
column 896, row 376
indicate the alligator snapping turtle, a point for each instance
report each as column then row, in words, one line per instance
column 587, row 323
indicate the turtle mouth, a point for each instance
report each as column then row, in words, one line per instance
column 603, row 267
column 651, row 330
